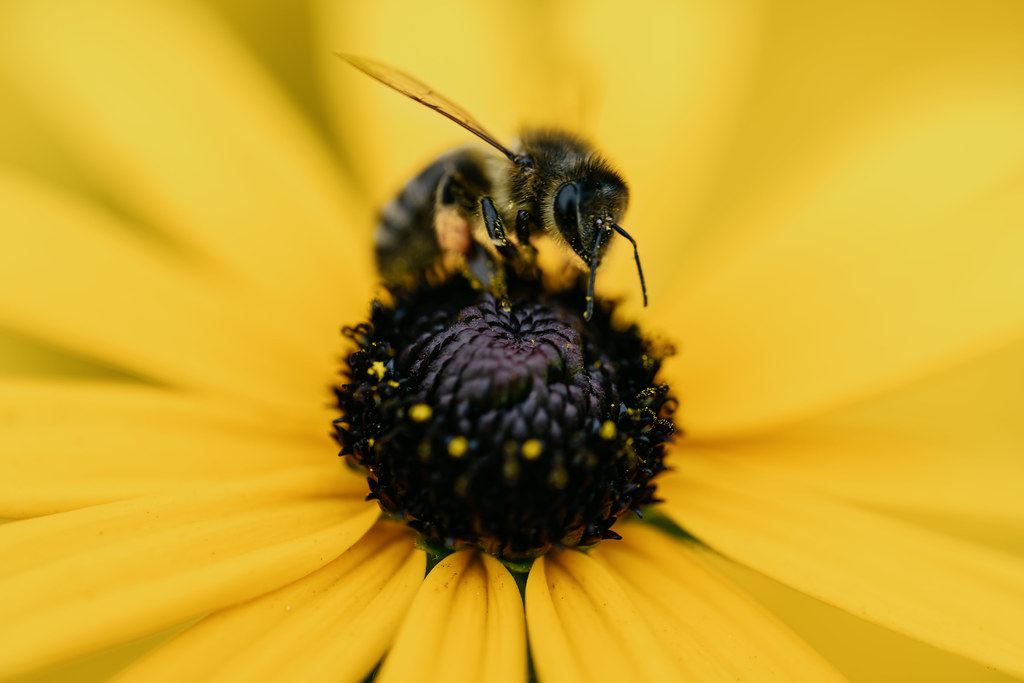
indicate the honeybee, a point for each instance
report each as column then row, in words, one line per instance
column 458, row 207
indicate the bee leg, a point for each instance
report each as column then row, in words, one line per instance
column 496, row 229
column 523, row 224
column 484, row 271
column 526, row 263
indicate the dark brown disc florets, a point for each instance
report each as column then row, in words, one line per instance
column 511, row 425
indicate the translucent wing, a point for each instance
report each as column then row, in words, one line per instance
column 427, row 96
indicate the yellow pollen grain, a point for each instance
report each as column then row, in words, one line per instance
column 420, row 412
column 607, row 431
column 370, row 442
column 377, row 370
column 510, row 470
column 457, row 447
column 423, row 450
column 558, row 478
column 532, row 449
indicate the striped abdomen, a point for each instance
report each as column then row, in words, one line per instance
column 406, row 240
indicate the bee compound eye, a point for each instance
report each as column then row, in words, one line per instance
column 567, row 201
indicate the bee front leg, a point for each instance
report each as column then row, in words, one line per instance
column 496, row 229
column 526, row 264
column 484, row 272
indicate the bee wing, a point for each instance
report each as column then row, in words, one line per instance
column 427, row 96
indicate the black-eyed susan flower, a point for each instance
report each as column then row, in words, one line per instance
column 828, row 203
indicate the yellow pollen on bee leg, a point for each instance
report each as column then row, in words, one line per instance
column 457, row 447
column 452, row 229
column 420, row 412
column 532, row 449
column 607, row 431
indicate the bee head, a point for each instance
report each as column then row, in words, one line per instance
column 585, row 208
column 586, row 211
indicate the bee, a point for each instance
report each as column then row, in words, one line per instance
column 458, row 208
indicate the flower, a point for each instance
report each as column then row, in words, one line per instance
column 828, row 204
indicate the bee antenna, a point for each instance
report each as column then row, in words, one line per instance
column 594, row 258
column 636, row 256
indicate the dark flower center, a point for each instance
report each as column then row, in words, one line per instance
column 511, row 425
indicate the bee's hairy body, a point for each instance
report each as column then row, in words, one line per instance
column 411, row 237
column 559, row 158
column 478, row 211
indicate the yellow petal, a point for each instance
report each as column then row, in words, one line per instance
column 68, row 445
column 197, row 142
column 280, row 36
column 898, row 256
column 874, row 62
column 949, row 593
column 83, row 580
column 27, row 144
column 81, row 279
column 717, row 631
column 584, row 627
column 948, row 447
column 862, row 651
column 333, row 625
column 22, row 354
column 465, row 624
